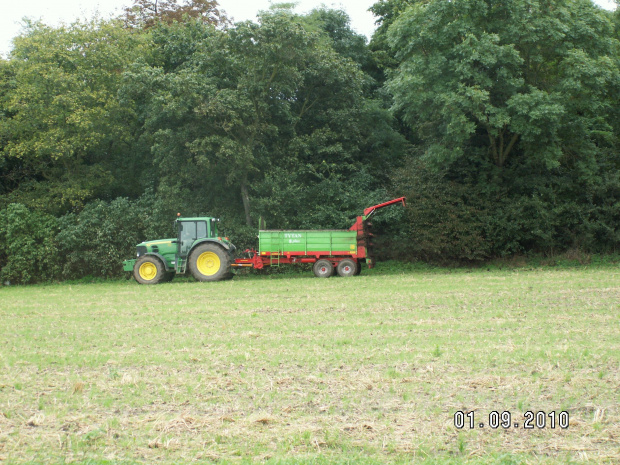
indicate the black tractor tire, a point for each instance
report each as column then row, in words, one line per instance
column 209, row 262
column 149, row 270
column 323, row 269
column 347, row 268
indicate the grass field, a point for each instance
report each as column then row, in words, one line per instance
column 295, row 369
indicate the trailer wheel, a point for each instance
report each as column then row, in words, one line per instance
column 148, row 270
column 323, row 269
column 346, row 268
column 209, row 262
column 358, row 270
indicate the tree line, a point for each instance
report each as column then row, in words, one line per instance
column 499, row 120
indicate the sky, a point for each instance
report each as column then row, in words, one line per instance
column 53, row 12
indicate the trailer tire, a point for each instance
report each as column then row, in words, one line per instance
column 149, row 270
column 346, row 268
column 323, row 269
column 209, row 262
column 358, row 271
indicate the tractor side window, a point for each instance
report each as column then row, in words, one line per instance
column 201, row 229
column 189, row 231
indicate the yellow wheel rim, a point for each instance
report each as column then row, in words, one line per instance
column 208, row 263
column 147, row 271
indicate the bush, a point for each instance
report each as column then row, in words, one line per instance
column 443, row 221
column 456, row 217
column 28, row 249
column 97, row 240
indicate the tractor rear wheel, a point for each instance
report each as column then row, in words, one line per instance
column 209, row 262
column 149, row 270
column 346, row 268
column 323, row 269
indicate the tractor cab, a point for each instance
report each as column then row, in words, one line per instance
column 189, row 230
column 192, row 232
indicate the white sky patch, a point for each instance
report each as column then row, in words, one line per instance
column 54, row 12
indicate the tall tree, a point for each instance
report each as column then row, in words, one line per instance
column 64, row 136
column 10, row 172
column 336, row 25
column 252, row 101
column 539, row 86
column 386, row 12
column 515, row 104
column 147, row 13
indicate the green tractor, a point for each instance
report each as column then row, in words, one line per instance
column 197, row 249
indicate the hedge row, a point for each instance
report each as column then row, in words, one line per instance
column 37, row 247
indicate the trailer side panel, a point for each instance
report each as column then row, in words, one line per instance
column 322, row 242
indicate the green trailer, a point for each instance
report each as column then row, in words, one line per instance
column 341, row 251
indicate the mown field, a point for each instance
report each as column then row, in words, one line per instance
column 294, row 369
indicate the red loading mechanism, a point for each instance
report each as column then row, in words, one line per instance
column 361, row 225
column 370, row 210
column 364, row 236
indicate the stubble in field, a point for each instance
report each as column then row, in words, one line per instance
column 367, row 369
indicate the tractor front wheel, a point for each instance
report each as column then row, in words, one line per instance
column 209, row 262
column 149, row 270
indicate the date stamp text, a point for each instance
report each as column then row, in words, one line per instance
column 506, row 420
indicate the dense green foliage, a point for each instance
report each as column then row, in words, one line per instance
column 104, row 234
column 28, row 249
column 65, row 136
column 267, row 109
column 499, row 121
column 516, row 124
column 35, row 245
